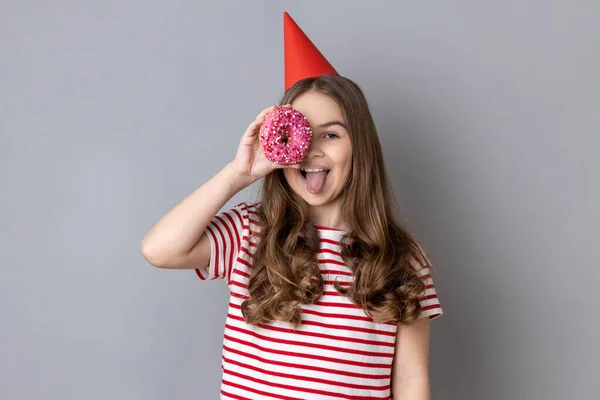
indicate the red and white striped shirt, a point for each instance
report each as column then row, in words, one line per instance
column 337, row 353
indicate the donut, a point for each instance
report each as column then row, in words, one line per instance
column 285, row 136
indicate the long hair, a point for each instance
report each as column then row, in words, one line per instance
column 285, row 271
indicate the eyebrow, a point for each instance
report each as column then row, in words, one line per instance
column 331, row 123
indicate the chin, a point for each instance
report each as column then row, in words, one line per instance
column 315, row 199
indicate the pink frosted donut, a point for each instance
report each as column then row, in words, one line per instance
column 285, row 136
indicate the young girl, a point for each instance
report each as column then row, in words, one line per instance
column 330, row 297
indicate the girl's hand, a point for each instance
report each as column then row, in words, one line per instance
column 250, row 161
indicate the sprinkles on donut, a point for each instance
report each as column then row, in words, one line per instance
column 285, row 136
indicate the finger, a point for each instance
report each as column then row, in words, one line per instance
column 291, row 166
column 253, row 128
column 264, row 112
column 260, row 118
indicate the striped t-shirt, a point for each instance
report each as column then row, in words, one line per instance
column 337, row 353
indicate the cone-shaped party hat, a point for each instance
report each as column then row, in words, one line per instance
column 302, row 59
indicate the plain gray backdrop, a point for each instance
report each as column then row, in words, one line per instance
column 112, row 111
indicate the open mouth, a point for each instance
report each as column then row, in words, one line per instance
column 303, row 172
column 314, row 178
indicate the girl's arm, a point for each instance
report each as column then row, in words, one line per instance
column 178, row 240
column 410, row 371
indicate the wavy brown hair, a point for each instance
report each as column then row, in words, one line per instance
column 376, row 247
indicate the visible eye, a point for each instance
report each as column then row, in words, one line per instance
column 331, row 135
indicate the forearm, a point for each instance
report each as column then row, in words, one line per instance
column 411, row 388
column 176, row 233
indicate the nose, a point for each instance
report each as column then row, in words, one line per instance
column 314, row 149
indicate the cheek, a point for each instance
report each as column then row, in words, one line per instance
column 288, row 174
column 344, row 171
column 347, row 172
column 346, row 163
column 292, row 178
column 341, row 155
column 348, row 168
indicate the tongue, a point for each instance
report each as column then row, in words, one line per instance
column 314, row 181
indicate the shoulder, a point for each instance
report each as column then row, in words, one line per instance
column 249, row 213
column 248, row 208
column 418, row 258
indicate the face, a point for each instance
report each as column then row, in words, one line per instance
column 325, row 170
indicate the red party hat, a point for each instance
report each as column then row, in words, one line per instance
column 302, row 59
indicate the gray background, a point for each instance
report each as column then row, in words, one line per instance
column 111, row 112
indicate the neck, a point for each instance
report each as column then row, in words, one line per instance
column 328, row 215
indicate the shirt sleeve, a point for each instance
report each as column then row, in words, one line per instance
column 226, row 232
column 430, row 303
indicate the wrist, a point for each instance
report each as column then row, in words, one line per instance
column 236, row 180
